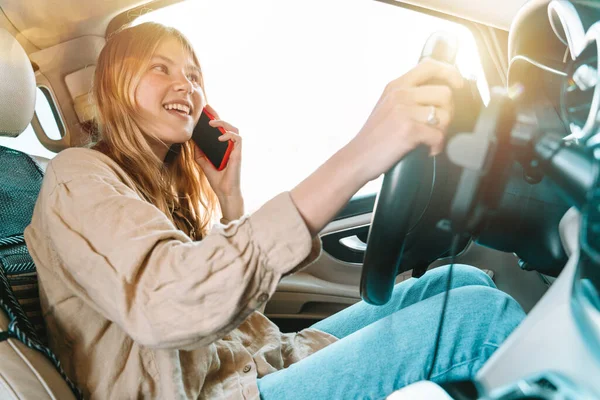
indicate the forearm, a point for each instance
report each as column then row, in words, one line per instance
column 320, row 196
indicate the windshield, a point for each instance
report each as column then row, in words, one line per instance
column 299, row 79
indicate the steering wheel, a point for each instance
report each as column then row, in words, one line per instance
column 414, row 197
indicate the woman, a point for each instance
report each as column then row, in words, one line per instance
column 142, row 300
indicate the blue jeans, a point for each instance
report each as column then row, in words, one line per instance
column 384, row 348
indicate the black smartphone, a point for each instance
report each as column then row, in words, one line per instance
column 206, row 138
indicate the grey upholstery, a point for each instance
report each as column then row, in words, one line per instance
column 17, row 87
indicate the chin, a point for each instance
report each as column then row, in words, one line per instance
column 179, row 138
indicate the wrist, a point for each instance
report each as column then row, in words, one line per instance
column 232, row 206
column 235, row 195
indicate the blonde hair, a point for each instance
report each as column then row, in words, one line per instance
column 178, row 187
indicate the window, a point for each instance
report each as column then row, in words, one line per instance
column 48, row 115
column 27, row 141
column 299, row 79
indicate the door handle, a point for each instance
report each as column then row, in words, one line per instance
column 354, row 243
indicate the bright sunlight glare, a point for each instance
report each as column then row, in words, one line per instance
column 299, row 79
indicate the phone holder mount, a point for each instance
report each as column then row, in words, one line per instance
column 483, row 177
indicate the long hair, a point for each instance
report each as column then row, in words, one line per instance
column 177, row 187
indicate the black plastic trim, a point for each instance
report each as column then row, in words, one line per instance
column 357, row 206
column 333, row 247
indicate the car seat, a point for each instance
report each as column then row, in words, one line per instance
column 29, row 369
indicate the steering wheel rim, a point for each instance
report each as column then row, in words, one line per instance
column 408, row 201
column 386, row 241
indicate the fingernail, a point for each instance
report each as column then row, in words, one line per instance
column 434, row 152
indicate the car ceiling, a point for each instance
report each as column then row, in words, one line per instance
column 45, row 23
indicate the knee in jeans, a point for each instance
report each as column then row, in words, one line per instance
column 464, row 275
column 490, row 304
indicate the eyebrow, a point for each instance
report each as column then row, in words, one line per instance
column 168, row 60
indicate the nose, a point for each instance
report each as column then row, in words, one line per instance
column 182, row 83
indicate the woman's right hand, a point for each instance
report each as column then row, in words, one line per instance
column 398, row 123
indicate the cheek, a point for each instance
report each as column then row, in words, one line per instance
column 199, row 93
column 141, row 100
column 146, row 96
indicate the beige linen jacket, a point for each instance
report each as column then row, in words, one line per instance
column 136, row 309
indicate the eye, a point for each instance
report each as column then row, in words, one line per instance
column 161, row 67
column 195, row 78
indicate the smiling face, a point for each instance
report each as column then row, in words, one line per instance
column 169, row 97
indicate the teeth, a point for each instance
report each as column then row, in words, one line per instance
column 179, row 107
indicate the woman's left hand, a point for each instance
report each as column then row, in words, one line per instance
column 225, row 183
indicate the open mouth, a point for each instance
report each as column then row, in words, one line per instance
column 178, row 109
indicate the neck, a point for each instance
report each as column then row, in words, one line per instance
column 159, row 148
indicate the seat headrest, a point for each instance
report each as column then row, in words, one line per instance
column 17, row 86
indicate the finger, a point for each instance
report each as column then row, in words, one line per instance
column 234, row 137
column 201, row 158
column 197, row 152
column 431, row 137
column 421, row 114
column 435, row 95
column 430, row 69
column 204, row 163
column 211, row 111
column 227, row 126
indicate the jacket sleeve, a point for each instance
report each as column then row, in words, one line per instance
column 126, row 259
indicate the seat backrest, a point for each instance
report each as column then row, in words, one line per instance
column 28, row 368
column 26, row 373
column 20, row 183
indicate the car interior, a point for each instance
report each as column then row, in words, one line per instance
column 513, row 193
